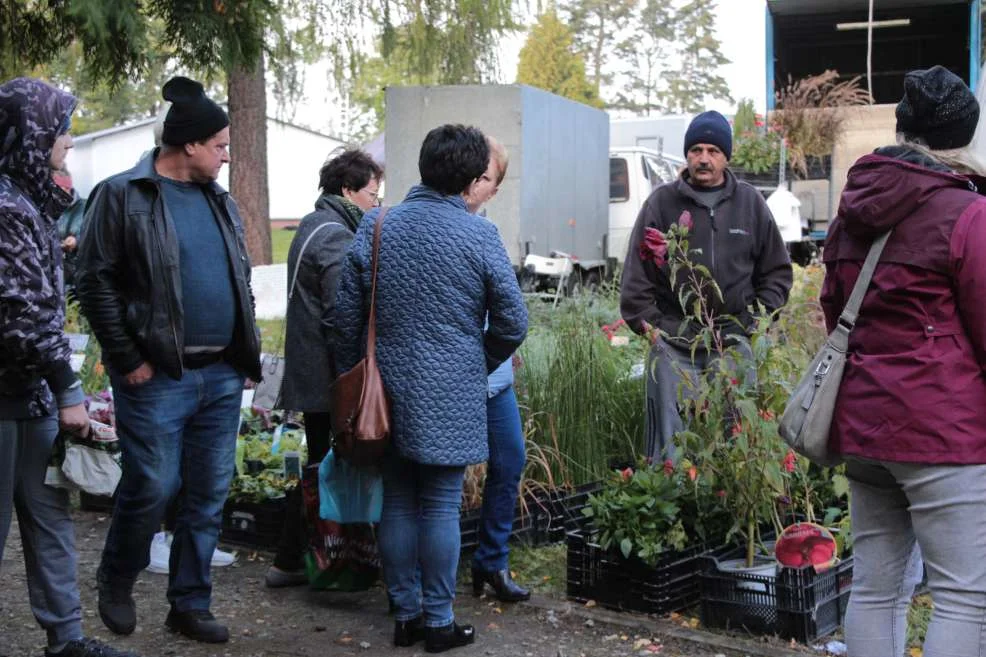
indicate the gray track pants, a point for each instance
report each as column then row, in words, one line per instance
column 895, row 508
column 45, row 523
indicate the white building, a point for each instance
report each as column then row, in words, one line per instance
column 294, row 157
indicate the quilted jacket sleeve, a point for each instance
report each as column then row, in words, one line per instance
column 32, row 338
column 99, row 268
column 349, row 302
column 505, row 304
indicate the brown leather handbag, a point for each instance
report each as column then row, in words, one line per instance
column 360, row 407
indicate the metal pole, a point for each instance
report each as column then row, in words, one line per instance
column 869, row 54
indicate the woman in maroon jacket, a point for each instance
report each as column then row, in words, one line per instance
column 911, row 415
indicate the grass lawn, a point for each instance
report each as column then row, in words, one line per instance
column 280, row 242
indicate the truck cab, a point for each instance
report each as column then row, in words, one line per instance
column 634, row 172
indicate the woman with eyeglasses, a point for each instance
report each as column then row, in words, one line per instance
column 350, row 184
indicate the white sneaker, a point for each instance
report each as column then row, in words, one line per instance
column 161, row 555
column 222, row 559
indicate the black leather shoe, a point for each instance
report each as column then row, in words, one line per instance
column 89, row 648
column 198, row 625
column 116, row 604
column 440, row 639
column 407, row 633
column 506, row 589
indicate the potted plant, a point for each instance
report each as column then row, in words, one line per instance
column 643, row 540
column 810, row 118
column 756, row 147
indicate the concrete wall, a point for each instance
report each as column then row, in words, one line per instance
column 867, row 127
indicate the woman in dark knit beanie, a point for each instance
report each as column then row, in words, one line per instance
column 910, row 420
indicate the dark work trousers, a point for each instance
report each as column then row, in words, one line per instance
column 294, row 535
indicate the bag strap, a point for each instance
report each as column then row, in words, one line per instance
column 371, row 325
column 297, row 265
column 851, row 311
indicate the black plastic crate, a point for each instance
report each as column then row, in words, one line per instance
column 253, row 524
column 615, row 582
column 797, row 603
column 567, row 509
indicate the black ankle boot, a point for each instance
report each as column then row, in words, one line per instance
column 507, row 590
column 440, row 639
column 407, row 633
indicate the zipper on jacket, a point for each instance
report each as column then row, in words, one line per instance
column 712, row 240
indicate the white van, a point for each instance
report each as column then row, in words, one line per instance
column 634, row 172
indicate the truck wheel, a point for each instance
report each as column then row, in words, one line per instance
column 802, row 253
column 592, row 282
column 573, row 284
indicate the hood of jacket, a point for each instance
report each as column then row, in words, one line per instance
column 31, row 115
column 890, row 185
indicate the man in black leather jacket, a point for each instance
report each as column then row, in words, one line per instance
column 164, row 281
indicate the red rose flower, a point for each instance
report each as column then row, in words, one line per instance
column 654, row 246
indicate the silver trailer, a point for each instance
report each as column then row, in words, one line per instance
column 552, row 209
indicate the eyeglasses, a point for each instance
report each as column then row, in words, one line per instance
column 375, row 195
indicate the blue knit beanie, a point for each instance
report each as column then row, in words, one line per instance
column 710, row 128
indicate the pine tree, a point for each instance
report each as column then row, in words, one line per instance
column 548, row 61
column 643, row 56
column 596, row 26
column 697, row 80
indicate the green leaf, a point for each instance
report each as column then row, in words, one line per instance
column 626, row 547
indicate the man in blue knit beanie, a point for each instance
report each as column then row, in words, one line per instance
column 730, row 232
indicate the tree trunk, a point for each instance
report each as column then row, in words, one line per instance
column 248, row 153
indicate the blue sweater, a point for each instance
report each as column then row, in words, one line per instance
column 207, row 298
column 442, row 272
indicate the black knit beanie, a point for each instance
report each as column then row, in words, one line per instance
column 192, row 116
column 710, row 128
column 938, row 109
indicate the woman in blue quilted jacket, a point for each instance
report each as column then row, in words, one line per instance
column 442, row 271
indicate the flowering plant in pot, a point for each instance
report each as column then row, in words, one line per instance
column 650, row 510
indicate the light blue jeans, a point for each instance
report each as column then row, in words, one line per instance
column 503, row 472
column 419, row 538
column 897, row 508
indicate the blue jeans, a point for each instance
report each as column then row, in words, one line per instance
column 503, row 472
column 419, row 538
column 897, row 508
column 174, row 435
